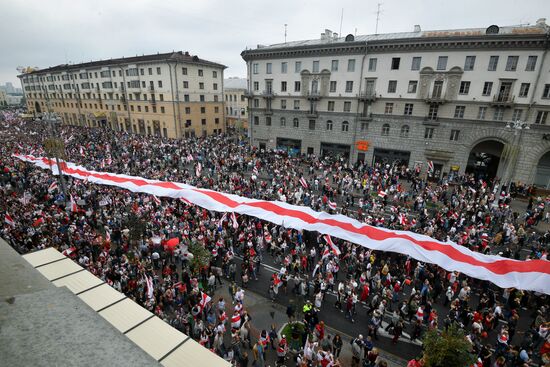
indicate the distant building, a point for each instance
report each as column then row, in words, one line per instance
column 3, row 99
column 173, row 95
column 236, row 105
column 442, row 96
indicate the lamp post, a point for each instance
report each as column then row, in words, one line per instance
column 55, row 147
column 512, row 153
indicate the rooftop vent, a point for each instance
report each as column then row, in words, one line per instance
column 417, row 28
column 493, row 29
column 350, row 38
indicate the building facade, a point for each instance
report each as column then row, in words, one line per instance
column 172, row 95
column 410, row 98
column 236, row 104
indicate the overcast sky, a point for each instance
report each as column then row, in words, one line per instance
column 50, row 32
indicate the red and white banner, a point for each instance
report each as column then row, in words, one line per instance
column 334, row 249
column 528, row 275
column 9, row 220
column 303, row 182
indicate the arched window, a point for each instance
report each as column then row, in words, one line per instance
column 329, row 125
column 283, row 122
column 345, row 126
column 405, row 131
column 385, row 130
column 296, row 123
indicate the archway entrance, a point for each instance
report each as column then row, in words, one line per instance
column 484, row 160
column 542, row 176
column 37, row 107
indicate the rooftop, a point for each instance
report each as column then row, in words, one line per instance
column 175, row 56
column 235, row 83
column 329, row 38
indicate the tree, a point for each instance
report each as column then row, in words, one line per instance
column 449, row 348
column 201, row 256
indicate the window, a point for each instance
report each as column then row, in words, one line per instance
column 255, row 68
column 372, row 63
column 351, row 65
column 296, row 123
column 330, row 107
column 186, row 85
column 332, row 88
column 487, row 87
column 214, row 74
column 283, row 122
column 364, row 126
column 256, row 120
column 103, row 74
column 312, row 124
column 104, row 85
column 256, row 103
column 334, row 65
column 464, row 88
column 512, row 63
column 388, row 110
column 268, row 121
column 347, row 106
column 284, row 67
column 283, row 86
column 416, row 63
column 413, row 84
column 493, row 63
column 186, row 98
column 268, row 68
column 385, row 130
column 481, row 113
column 162, row 110
column 469, row 63
column 329, row 125
column 201, row 98
column 546, row 91
column 541, row 117
column 349, row 86
column 392, row 86
column 442, row 62
column 499, row 114
column 531, row 63
column 395, row 63
column 215, row 86
column 315, row 66
column 297, row 104
column 183, row 71
column 408, row 109
column 524, row 90
column 296, row 86
column 283, row 104
column 203, row 121
column 297, row 66
column 345, row 126
column 459, row 112
column 160, row 83
column 256, row 85
column 432, row 113
column 200, row 72
column 203, row 109
column 517, row 114
column 429, row 133
column 404, row 131
column 188, row 110
column 454, row 135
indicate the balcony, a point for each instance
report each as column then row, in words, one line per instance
column 431, row 121
column 365, row 117
column 312, row 114
column 369, row 96
column 268, row 94
column 435, row 99
column 502, row 100
column 313, row 96
column 268, row 112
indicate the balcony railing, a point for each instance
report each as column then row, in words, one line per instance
column 268, row 93
column 369, row 96
column 312, row 114
column 313, row 96
column 365, row 116
column 503, row 100
column 435, row 99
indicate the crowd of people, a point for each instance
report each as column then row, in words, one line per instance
column 170, row 256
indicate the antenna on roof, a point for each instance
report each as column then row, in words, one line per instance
column 285, row 32
column 341, row 20
column 378, row 12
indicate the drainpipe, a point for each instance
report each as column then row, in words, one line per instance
column 353, row 149
column 250, row 117
column 125, row 92
column 173, row 99
column 535, row 89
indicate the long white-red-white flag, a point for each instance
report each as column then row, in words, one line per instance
column 9, row 220
column 528, row 275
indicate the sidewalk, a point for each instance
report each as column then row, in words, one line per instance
column 264, row 313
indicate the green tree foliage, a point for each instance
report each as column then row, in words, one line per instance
column 201, row 256
column 447, row 349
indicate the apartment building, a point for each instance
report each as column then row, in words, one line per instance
column 445, row 96
column 236, row 104
column 173, row 95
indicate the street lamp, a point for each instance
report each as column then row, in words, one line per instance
column 517, row 127
column 55, row 147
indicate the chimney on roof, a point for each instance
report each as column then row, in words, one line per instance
column 541, row 21
column 417, row 28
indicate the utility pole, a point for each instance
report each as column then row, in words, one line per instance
column 56, row 147
column 285, row 32
column 377, row 17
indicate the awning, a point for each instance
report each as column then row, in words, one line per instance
column 99, row 114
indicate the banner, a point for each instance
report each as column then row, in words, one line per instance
column 528, row 275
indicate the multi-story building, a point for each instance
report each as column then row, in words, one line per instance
column 236, row 104
column 172, row 95
column 414, row 97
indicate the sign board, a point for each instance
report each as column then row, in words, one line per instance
column 362, row 145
